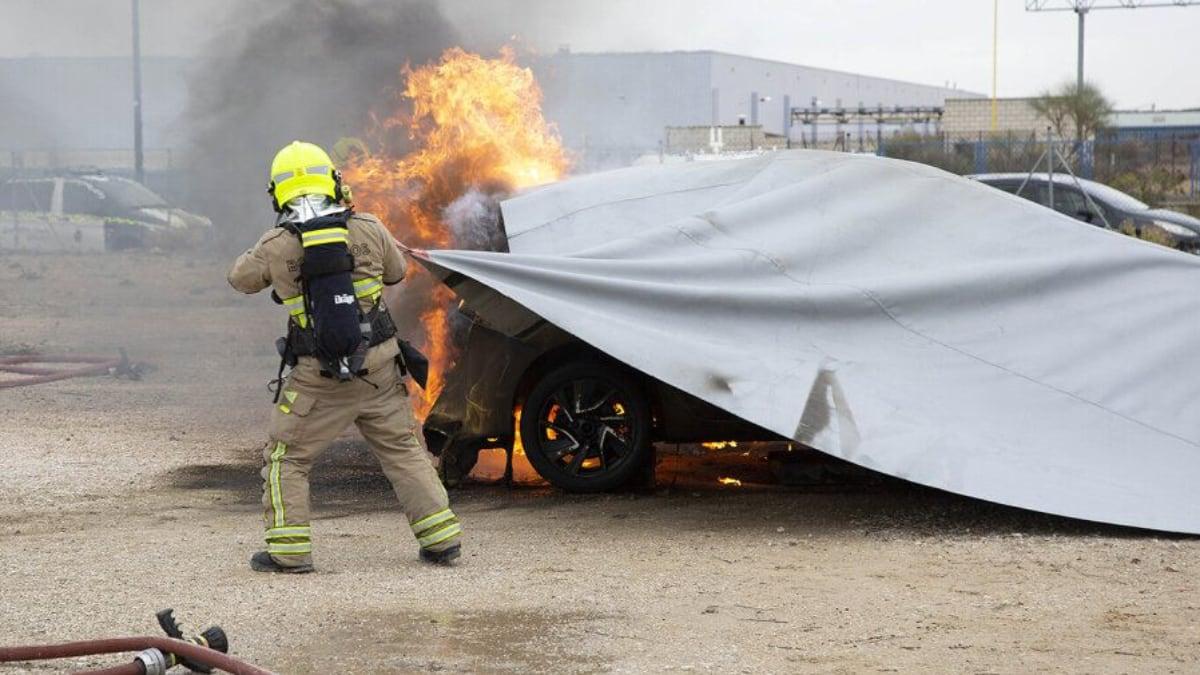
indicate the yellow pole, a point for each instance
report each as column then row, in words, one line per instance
column 995, row 67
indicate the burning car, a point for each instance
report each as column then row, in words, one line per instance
column 585, row 421
column 889, row 314
column 886, row 313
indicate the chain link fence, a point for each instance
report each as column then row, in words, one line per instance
column 1163, row 169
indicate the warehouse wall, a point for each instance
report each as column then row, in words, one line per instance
column 738, row 77
column 618, row 104
column 612, row 107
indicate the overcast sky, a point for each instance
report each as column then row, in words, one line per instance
column 1139, row 57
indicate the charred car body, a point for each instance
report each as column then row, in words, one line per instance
column 587, row 422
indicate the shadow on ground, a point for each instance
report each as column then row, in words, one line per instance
column 346, row 479
column 688, row 495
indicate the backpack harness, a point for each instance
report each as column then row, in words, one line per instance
column 325, row 320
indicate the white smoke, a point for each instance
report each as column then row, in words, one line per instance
column 474, row 221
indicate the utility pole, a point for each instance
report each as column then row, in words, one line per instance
column 1081, row 12
column 138, row 165
column 995, row 62
column 1082, row 7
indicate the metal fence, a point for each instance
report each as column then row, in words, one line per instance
column 1163, row 168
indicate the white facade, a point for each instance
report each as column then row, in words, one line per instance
column 620, row 103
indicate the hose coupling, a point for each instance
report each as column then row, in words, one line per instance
column 153, row 661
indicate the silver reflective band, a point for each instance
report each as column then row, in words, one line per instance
column 368, row 286
column 444, row 534
column 318, row 170
column 280, row 177
column 303, row 531
column 275, row 548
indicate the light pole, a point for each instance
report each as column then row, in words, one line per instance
column 138, row 165
column 995, row 60
column 1081, row 12
column 1082, row 7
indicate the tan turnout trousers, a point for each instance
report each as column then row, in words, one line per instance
column 313, row 410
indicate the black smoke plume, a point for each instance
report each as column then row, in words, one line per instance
column 312, row 70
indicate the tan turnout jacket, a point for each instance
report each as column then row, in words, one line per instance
column 275, row 261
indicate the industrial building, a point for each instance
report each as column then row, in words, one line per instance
column 1154, row 124
column 611, row 107
column 971, row 118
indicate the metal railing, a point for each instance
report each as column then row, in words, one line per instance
column 1152, row 169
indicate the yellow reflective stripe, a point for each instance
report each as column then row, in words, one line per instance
column 441, row 535
column 432, row 519
column 289, row 398
column 295, row 307
column 324, row 231
column 368, row 287
column 328, row 235
column 289, row 549
column 331, row 239
column 284, row 532
column 276, row 488
column 324, row 239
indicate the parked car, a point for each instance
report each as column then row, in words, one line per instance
column 1107, row 207
column 91, row 211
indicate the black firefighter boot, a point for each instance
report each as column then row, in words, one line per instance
column 445, row 556
column 263, row 562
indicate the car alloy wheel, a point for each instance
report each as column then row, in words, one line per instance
column 585, row 427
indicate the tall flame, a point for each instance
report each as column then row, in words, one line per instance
column 475, row 123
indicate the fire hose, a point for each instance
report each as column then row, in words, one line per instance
column 30, row 366
column 201, row 653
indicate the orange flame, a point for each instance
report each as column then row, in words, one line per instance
column 492, row 462
column 474, row 123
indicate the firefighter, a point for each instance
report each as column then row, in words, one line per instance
column 324, row 393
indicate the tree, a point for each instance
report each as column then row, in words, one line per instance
column 1074, row 110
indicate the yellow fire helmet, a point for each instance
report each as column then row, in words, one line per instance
column 302, row 169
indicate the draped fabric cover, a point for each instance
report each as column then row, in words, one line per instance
column 887, row 313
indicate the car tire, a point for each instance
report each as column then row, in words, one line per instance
column 585, row 427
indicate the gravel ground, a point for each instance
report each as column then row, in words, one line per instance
column 119, row 498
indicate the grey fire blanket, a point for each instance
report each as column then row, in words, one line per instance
column 887, row 313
